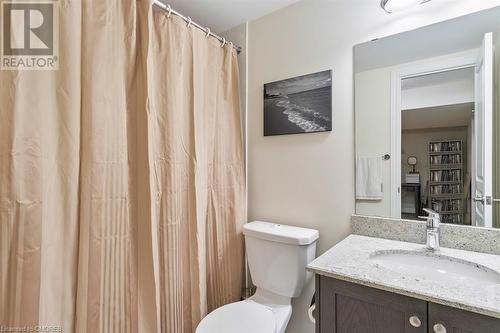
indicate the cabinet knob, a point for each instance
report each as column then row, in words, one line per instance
column 439, row 328
column 415, row 321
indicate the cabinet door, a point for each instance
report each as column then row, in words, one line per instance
column 351, row 308
column 443, row 319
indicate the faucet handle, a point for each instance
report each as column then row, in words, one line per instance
column 434, row 218
column 432, row 213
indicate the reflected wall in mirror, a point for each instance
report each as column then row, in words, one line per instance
column 430, row 98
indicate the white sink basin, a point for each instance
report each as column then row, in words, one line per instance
column 432, row 266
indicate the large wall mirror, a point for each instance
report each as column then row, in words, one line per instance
column 427, row 122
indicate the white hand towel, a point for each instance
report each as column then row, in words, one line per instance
column 369, row 178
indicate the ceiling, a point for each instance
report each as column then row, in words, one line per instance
column 460, row 34
column 221, row 15
column 464, row 74
column 456, row 115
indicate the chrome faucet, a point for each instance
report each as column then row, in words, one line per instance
column 433, row 222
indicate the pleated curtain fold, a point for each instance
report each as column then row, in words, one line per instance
column 122, row 189
column 197, row 172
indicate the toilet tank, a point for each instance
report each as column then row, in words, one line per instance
column 278, row 255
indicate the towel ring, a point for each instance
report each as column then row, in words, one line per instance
column 208, row 32
column 169, row 9
column 189, row 22
column 223, row 42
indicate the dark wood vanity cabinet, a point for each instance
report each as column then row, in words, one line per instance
column 459, row 321
column 344, row 307
column 350, row 308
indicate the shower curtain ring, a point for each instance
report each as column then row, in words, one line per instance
column 223, row 42
column 208, row 32
column 189, row 22
column 169, row 9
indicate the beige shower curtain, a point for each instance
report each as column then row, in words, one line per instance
column 196, row 171
column 121, row 176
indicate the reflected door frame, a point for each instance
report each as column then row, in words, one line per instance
column 482, row 210
column 466, row 59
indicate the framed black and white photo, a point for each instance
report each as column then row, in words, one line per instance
column 301, row 104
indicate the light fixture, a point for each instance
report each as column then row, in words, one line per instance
column 392, row 6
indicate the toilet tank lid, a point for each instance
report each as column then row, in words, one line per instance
column 280, row 233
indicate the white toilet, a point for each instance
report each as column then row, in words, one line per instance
column 277, row 257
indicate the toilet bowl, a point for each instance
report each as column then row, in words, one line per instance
column 248, row 316
column 277, row 258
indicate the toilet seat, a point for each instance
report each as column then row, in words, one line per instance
column 240, row 317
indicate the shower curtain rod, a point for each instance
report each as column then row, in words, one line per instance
column 194, row 24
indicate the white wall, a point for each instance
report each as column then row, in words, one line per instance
column 454, row 92
column 308, row 179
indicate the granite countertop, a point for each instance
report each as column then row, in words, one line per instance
column 350, row 260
